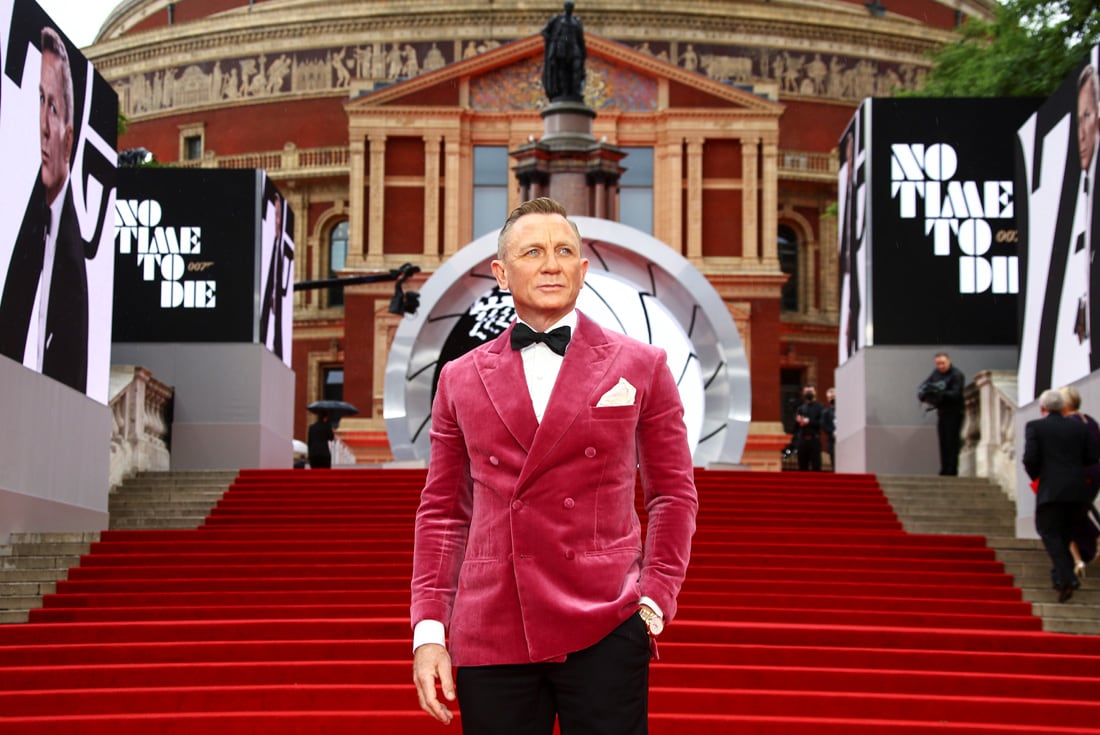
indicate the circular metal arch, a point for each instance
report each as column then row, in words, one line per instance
column 706, row 354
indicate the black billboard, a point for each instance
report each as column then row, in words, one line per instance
column 936, row 201
column 203, row 255
column 58, row 137
column 1056, row 169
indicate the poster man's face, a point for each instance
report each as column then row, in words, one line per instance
column 1087, row 126
column 55, row 131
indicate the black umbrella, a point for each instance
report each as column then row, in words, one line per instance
column 332, row 409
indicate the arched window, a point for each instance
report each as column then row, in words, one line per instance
column 788, row 263
column 337, row 259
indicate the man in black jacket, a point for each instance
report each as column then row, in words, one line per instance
column 943, row 390
column 44, row 304
column 1056, row 452
column 808, row 434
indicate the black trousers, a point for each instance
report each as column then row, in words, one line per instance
column 1055, row 523
column 809, row 453
column 949, row 427
column 602, row 690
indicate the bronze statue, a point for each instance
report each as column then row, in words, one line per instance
column 563, row 60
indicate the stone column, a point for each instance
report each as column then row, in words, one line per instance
column 750, row 199
column 431, row 197
column 376, row 229
column 452, row 194
column 769, row 219
column 695, row 199
column 357, row 215
column 669, row 176
column 299, row 203
column 830, row 298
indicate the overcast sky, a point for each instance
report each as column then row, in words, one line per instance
column 79, row 19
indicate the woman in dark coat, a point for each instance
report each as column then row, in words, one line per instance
column 1087, row 530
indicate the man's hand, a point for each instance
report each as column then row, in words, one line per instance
column 432, row 663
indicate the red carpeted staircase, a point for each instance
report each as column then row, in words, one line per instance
column 806, row 610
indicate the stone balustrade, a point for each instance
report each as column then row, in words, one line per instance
column 989, row 429
column 141, row 416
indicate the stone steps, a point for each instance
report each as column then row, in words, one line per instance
column 974, row 506
column 30, row 566
column 32, row 563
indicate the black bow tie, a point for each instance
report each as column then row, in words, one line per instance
column 556, row 339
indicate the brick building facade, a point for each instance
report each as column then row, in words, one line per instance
column 388, row 126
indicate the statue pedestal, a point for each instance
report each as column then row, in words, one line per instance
column 569, row 165
column 568, row 125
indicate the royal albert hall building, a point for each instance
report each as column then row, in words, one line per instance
column 389, row 126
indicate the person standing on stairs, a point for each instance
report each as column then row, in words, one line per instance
column 828, row 425
column 320, row 434
column 1083, row 547
column 529, row 554
column 807, row 436
column 1056, row 452
column 943, row 391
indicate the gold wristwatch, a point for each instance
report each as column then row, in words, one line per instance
column 653, row 622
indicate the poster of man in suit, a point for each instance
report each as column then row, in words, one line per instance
column 56, row 264
column 1056, row 167
column 277, row 276
column 852, row 216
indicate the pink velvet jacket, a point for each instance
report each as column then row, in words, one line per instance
column 528, row 546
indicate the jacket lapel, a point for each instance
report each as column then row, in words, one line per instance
column 501, row 371
column 587, row 360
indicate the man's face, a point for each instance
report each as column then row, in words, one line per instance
column 54, row 128
column 542, row 267
column 943, row 364
column 1087, row 127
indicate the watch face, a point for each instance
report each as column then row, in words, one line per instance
column 656, row 625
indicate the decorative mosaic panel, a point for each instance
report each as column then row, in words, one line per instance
column 519, row 87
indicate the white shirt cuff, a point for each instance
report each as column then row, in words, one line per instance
column 429, row 631
column 648, row 602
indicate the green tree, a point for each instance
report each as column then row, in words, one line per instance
column 1027, row 49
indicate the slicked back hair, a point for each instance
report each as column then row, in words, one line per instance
column 542, row 205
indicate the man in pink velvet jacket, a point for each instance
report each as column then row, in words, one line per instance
column 529, row 553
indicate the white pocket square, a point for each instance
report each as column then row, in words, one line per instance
column 621, row 395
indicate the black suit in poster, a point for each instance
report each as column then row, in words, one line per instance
column 1058, row 222
column 277, row 276
column 852, row 260
column 64, row 332
column 65, row 354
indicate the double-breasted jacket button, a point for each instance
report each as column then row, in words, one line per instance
column 590, row 452
column 517, row 504
column 568, row 503
column 494, row 461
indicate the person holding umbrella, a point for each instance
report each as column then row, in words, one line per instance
column 320, row 434
column 320, row 431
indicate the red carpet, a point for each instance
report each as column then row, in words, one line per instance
column 807, row 610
